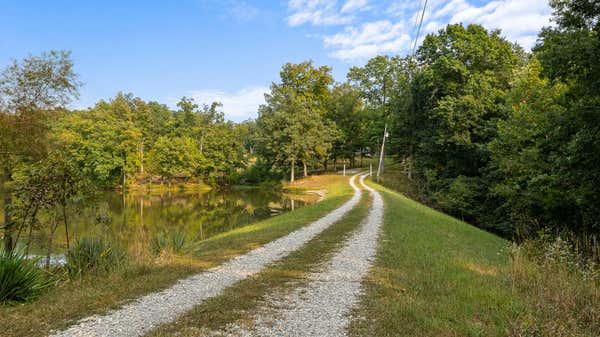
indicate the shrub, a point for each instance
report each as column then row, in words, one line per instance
column 168, row 242
column 20, row 279
column 258, row 173
column 90, row 255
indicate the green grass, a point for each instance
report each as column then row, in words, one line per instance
column 435, row 276
column 238, row 303
column 438, row 276
column 75, row 299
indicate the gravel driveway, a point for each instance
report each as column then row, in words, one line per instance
column 322, row 307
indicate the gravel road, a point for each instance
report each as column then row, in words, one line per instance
column 322, row 307
column 144, row 314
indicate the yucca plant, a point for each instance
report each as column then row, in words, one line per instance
column 21, row 279
column 173, row 242
column 90, row 255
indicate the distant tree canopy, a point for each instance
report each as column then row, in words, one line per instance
column 291, row 126
column 124, row 138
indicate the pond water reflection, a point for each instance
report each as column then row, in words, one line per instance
column 134, row 219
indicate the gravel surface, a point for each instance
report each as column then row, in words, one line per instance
column 322, row 307
column 147, row 312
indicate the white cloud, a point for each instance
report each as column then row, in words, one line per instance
column 519, row 20
column 242, row 11
column 238, row 106
column 316, row 12
column 353, row 5
column 389, row 26
column 368, row 40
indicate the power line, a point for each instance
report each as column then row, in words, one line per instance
column 417, row 17
column 419, row 29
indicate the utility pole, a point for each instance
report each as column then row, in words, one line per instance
column 380, row 166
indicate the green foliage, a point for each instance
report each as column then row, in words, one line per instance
column 168, row 242
column 569, row 53
column 175, row 155
column 258, row 173
column 20, row 279
column 32, row 93
column 526, row 153
column 458, row 100
column 91, row 255
column 42, row 82
column 116, row 141
column 384, row 85
column 346, row 110
column 291, row 126
column 502, row 139
column 570, row 50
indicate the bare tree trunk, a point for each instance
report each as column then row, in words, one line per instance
column 31, row 224
column 29, row 240
column 142, row 157
column 292, row 173
column 8, row 221
column 305, row 169
column 124, row 171
column 202, row 142
column 64, row 209
column 361, row 157
column 50, row 242
column 24, row 220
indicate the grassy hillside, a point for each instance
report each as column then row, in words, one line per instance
column 438, row 276
column 435, row 276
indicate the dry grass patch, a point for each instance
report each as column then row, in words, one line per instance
column 562, row 289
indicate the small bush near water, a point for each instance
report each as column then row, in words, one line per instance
column 90, row 255
column 562, row 285
column 168, row 242
column 20, row 279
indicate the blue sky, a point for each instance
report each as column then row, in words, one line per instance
column 231, row 50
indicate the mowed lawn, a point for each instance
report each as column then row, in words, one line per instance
column 435, row 276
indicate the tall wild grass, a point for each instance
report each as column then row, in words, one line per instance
column 90, row 255
column 561, row 280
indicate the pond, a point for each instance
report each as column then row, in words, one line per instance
column 134, row 220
